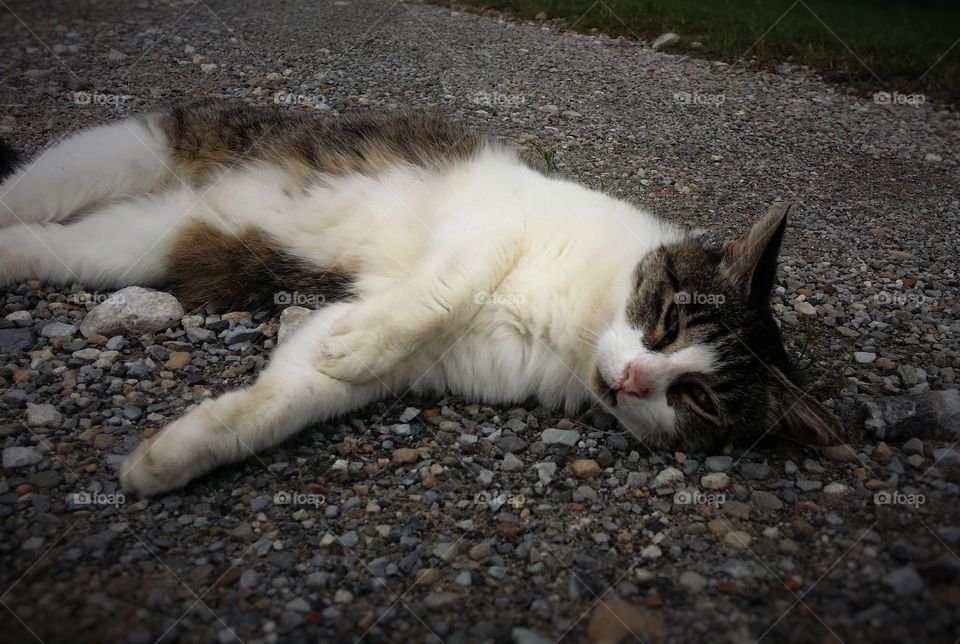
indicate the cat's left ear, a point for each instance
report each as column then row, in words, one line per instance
column 751, row 262
column 796, row 415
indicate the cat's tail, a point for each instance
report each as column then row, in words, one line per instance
column 8, row 159
column 129, row 157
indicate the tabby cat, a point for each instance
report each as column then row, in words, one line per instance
column 444, row 262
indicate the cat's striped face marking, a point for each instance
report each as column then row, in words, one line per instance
column 697, row 360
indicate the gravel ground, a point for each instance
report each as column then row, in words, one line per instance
column 444, row 520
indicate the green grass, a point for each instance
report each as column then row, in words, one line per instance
column 871, row 45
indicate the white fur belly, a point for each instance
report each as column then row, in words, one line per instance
column 495, row 359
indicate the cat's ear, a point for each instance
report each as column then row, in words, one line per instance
column 751, row 262
column 797, row 416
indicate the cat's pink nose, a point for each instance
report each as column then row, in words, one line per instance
column 635, row 381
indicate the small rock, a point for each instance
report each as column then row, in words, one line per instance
column 249, row 579
column 409, row 414
column 946, row 457
column 44, row 415
column 754, row 471
column 16, row 339
column 913, row 446
column 585, row 468
column 545, row 471
column 737, row 539
column 692, row 580
column 525, row 635
column 511, row 444
column 835, row 488
column 765, row 500
column 806, row 485
column 614, row 620
column 57, row 330
column 715, row 481
column 864, row 357
column 445, row 551
column 427, row 577
column 737, row 509
column 668, row 477
column 651, row 552
column 406, row 455
column 904, row 581
column 511, row 464
column 840, row 453
column 882, row 453
column 718, row 463
column 805, row 308
column 20, row 457
column 177, row 360
column 554, row 436
column 481, row 552
column 666, row 40
column 20, row 318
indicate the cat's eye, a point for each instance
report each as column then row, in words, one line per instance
column 701, row 398
column 671, row 328
column 695, row 396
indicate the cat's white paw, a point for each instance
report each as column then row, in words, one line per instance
column 167, row 460
column 358, row 355
column 140, row 473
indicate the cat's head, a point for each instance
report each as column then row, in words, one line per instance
column 696, row 359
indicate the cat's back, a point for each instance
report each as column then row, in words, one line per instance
column 206, row 136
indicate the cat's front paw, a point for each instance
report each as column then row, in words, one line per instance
column 156, row 465
column 356, row 356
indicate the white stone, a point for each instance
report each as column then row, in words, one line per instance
column 666, row 40
column 132, row 310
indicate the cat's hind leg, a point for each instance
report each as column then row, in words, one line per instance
column 289, row 395
column 125, row 159
column 119, row 245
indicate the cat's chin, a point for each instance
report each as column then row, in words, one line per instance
column 651, row 422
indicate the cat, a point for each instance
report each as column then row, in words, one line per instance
column 445, row 264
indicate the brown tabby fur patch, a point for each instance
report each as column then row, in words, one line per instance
column 209, row 135
column 245, row 272
column 248, row 270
